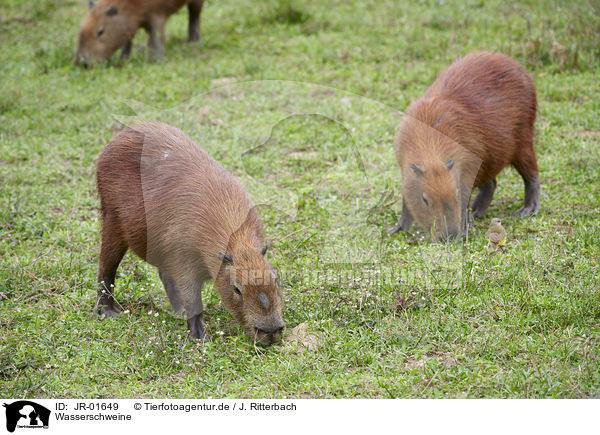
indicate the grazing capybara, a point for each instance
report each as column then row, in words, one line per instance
column 166, row 199
column 474, row 120
column 112, row 24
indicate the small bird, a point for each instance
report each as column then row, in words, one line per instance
column 496, row 235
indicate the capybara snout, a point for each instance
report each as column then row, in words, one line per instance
column 271, row 335
column 433, row 193
column 253, row 294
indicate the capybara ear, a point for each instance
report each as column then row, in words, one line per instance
column 90, row 4
column 263, row 251
column 225, row 258
column 112, row 11
column 417, row 169
column 450, row 164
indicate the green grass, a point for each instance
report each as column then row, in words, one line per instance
column 301, row 100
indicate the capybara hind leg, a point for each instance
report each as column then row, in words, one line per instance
column 483, row 199
column 405, row 220
column 194, row 10
column 112, row 252
column 173, row 292
column 526, row 166
column 531, row 203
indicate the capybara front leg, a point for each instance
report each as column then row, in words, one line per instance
column 173, row 292
column 126, row 50
column 196, row 327
column 531, row 203
column 156, row 37
column 483, row 198
column 194, row 310
column 194, row 10
column 405, row 220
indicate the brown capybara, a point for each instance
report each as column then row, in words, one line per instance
column 476, row 119
column 166, row 199
column 112, row 24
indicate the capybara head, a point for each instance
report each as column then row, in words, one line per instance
column 431, row 193
column 104, row 30
column 250, row 291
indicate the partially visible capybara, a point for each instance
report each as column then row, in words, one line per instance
column 476, row 119
column 112, row 24
column 167, row 200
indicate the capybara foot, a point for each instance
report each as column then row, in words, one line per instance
column 483, row 199
column 405, row 221
column 196, row 328
column 106, row 313
column 191, row 338
column 397, row 228
column 531, row 203
column 476, row 214
column 529, row 210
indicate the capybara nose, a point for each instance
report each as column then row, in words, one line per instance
column 270, row 331
column 79, row 60
column 268, row 336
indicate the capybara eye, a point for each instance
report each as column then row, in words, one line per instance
column 100, row 32
column 237, row 290
column 425, row 200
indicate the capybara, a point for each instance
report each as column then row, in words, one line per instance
column 166, row 199
column 112, row 24
column 476, row 119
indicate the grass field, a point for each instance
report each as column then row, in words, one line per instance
column 301, row 101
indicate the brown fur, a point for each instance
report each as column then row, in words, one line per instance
column 112, row 24
column 475, row 119
column 168, row 201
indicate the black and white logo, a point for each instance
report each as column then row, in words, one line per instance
column 25, row 414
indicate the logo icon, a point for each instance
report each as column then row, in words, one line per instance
column 26, row 414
